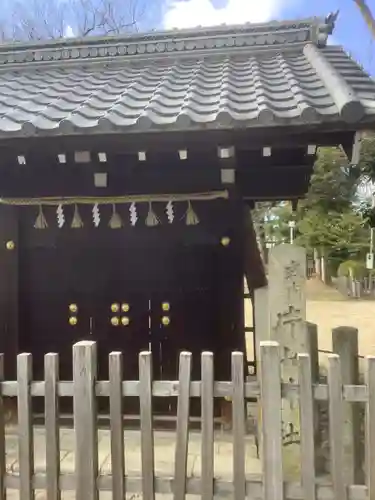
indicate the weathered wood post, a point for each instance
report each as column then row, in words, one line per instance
column 287, row 308
column 345, row 344
column 313, row 351
column 86, row 450
column 262, row 334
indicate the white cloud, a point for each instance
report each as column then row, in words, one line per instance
column 69, row 33
column 192, row 13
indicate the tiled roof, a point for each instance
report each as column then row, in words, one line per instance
column 300, row 84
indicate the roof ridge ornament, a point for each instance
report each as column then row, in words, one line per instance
column 208, row 41
column 325, row 29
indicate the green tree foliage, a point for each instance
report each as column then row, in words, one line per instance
column 367, row 161
column 366, row 171
column 326, row 219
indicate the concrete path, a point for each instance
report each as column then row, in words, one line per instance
column 164, row 456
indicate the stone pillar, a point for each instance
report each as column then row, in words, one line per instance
column 345, row 344
column 287, row 308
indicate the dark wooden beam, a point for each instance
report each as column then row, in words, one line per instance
column 204, row 140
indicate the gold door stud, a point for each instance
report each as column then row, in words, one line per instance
column 166, row 320
column 115, row 321
column 125, row 321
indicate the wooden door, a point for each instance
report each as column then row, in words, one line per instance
column 182, row 315
column 121, row 323
column 55, row 306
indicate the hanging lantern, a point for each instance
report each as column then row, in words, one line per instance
column 115, row 308
column 40, row 222
column 115, row 222
column 125, row 307
column 77, row 221
column 73, row 321
column 151, row 219
column 73, row 308
column 191, row 217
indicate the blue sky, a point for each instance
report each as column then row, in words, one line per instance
column 351, row 31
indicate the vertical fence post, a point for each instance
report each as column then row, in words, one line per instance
column 370, row 428
column 306, row 404
column 25, row 429
column 117, row 427
column 261, row 318
column 86, row 450
column 262, row 332
column 313, row 351
column 207, row 404
column 147, row 436
column 51, row 400
column 2, row 435
column 345, row 344
column 270, row 389
column 183, row 410
column 336, row 428
column 238, row 408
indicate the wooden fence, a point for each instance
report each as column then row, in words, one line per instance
column 356, row 289
column 271, row 485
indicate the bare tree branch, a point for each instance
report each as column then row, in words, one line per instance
column 51, row 19
column 367, row 15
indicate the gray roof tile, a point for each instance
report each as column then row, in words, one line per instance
column 291, row 87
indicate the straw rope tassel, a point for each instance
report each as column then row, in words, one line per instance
column 192, row 218
column 115, row 221
column 77, row 221
column 40, row 222
column 151, row 219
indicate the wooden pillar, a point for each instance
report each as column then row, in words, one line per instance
column 318, row 406
column 262, row 333
column 9, row 292
column 345, row 344
column 287, row 307
column 261, row 318
column 230, row 310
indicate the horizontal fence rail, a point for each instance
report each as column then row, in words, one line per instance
column 87, row 480
column 163, row 389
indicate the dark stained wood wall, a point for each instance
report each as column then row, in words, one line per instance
column 94, row 267
column 9, row 287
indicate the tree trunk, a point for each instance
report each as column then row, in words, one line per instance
column 367, row 15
